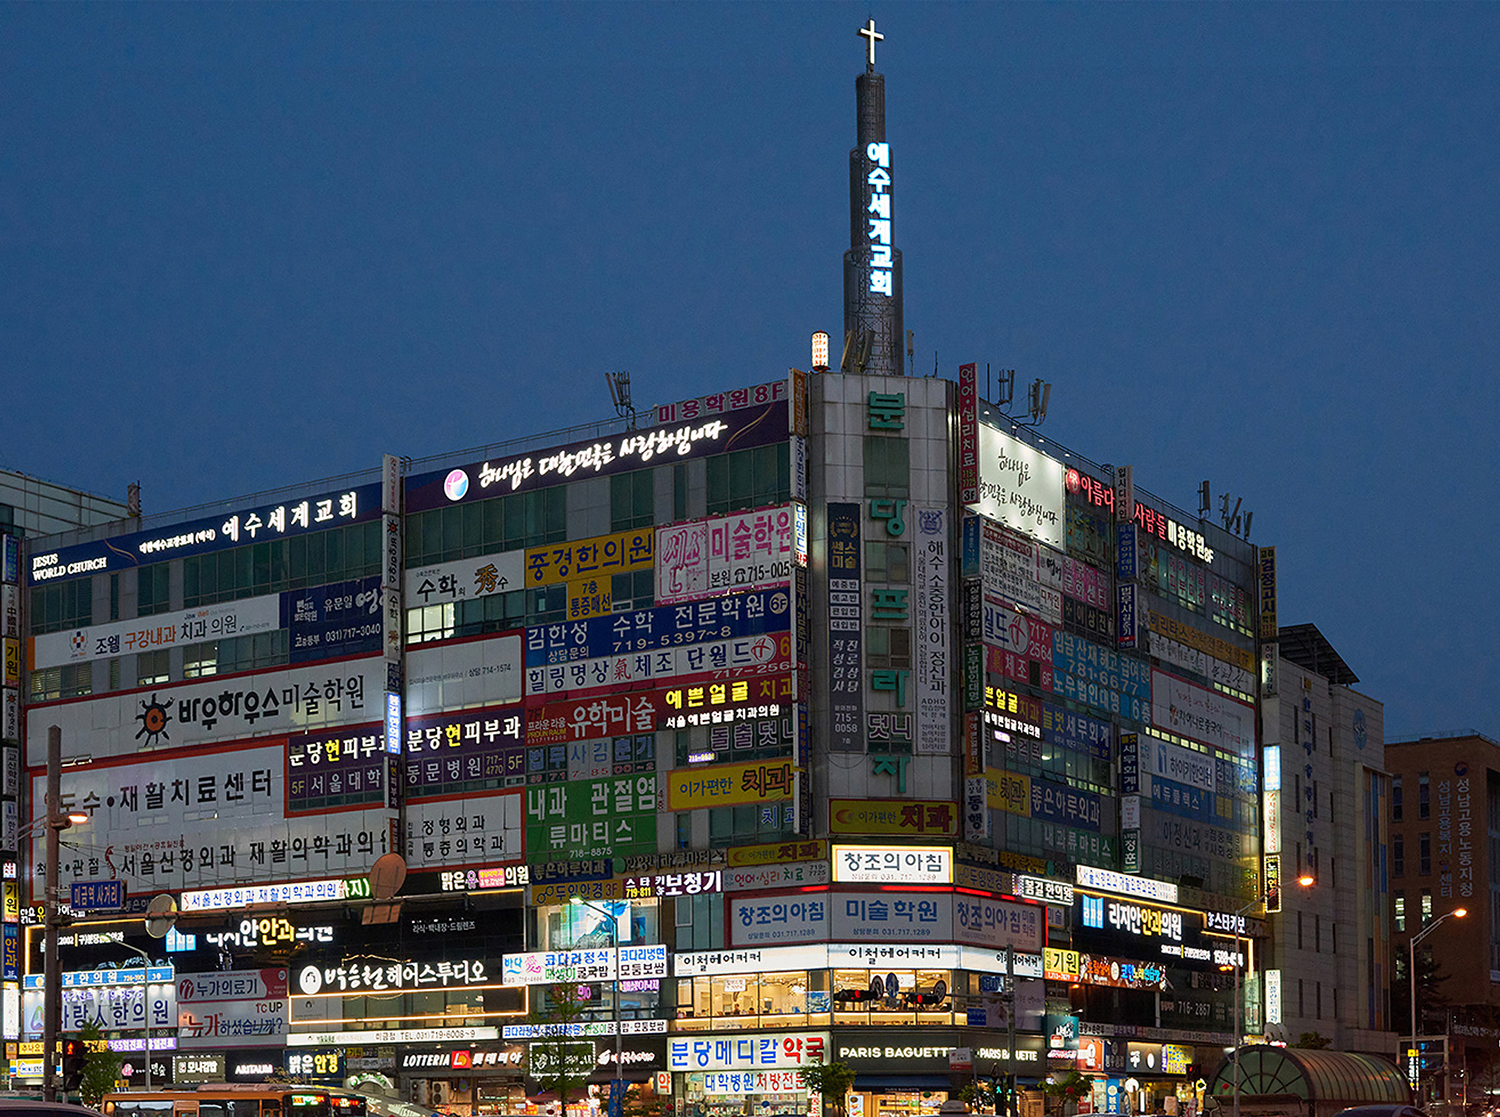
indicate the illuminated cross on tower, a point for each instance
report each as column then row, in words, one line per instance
column 868, row 32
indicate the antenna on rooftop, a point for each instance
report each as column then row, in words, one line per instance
column 619, row 392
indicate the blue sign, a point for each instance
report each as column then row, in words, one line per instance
column 340, row 619
column 212, row 533
column 97, row 895
column 666, row 626
column 1127, row 552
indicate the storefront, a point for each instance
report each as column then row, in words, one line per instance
column 911, row 1072
column 738, row 1074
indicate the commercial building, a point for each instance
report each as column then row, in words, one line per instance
column 839, row 717
column 1328, row 799
column 1445, row 812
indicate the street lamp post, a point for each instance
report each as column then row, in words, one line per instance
column 146, row 960
column 56, row 821
column 1411, row 972
column 614, row 938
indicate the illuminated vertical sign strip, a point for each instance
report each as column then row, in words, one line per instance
column 1266, row 562
column 968, row 434
column 1273, row 996
column 878, row 217
column 846, row 627
column 934, row 664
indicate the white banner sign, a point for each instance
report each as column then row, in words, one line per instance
column 1021, row 487
column 464, row 579
column 1203, row 715
column 463, row 831
column 288, row 700
column 454, row 676
column 1020, row 571
column 748, row 550
column 206, row 820
column 216, row 1025
column 864, row 864
column 934, row 667
column 165, row 630
column 791, row 874
column 778, row 919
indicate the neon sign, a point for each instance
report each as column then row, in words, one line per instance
column 879, row 204
column 1159, row 524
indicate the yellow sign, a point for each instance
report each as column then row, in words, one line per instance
column 12, row 902
column 777, row 853
column 600, row 556
column 1060, row 965
column 729, row 785
column 12, row 662
column 911, row 817
column 1197, row 639
column 1009, row 791
column 588, row 597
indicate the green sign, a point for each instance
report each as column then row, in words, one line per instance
column 611, row 817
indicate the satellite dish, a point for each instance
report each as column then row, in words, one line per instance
column 161, row 914
column 387, row 876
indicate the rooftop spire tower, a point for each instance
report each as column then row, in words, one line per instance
column 872, row 266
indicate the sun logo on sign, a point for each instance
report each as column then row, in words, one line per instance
column 153, row 718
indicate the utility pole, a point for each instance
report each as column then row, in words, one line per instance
column 52, row 917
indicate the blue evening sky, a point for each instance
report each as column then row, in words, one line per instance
column 248, row 245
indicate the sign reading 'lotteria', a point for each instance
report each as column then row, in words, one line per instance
column 734, row 430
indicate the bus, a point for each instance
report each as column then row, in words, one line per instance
column 235, row 1100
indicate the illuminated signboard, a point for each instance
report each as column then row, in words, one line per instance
column 1055, row 892
column 1155, row 523
column 723, row 785
column 753, row 426
column 719, row 402
column 1105, row 880
column 1021, row 487
column 892, row 864
column 678, row 707
column 1127, row 927
column 745, row 656
column 296, row 892
column 259, row 525
column 762, row 1051
column 550, row 967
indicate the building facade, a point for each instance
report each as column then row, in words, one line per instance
column 1445, row 811
column 838, row 718
column 1327, row 793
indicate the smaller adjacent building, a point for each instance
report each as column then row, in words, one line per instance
column 1445, row 813
column 1327, row 807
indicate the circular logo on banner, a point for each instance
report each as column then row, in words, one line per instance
column 456, row 484
column 310, row 979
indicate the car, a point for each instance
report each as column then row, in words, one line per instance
column 1391, row 1110
column 30, row 1107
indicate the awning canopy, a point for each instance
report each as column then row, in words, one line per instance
column 903, row 1082
column 1311, row 1076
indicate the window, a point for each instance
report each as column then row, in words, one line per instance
column 1398, row 855
column 887, row 467
column 632, row 499
column 636, row 590
column 1317, row 933
column 1426, row 906
column 768, row 822
column 1299, row 930
column 1395, row 798
column 1399, row 911
column 1424, row 854
column 69, row 605
column 335, row 555
column 887, row 562
column 1424, row 803
column 240, row 653
column 72, row 681
column 151, row 668
column 888, row 647
column 502, row 523
column 153, row 589
column 751, row 478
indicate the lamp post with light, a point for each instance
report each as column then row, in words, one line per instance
column 1411, row 966
column 146, row 961
column 614, row 938
column 1306, row 880
column 55, row 821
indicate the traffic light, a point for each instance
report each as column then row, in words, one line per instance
column 928, row 998
column 72, row 1064
column 854, row 996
